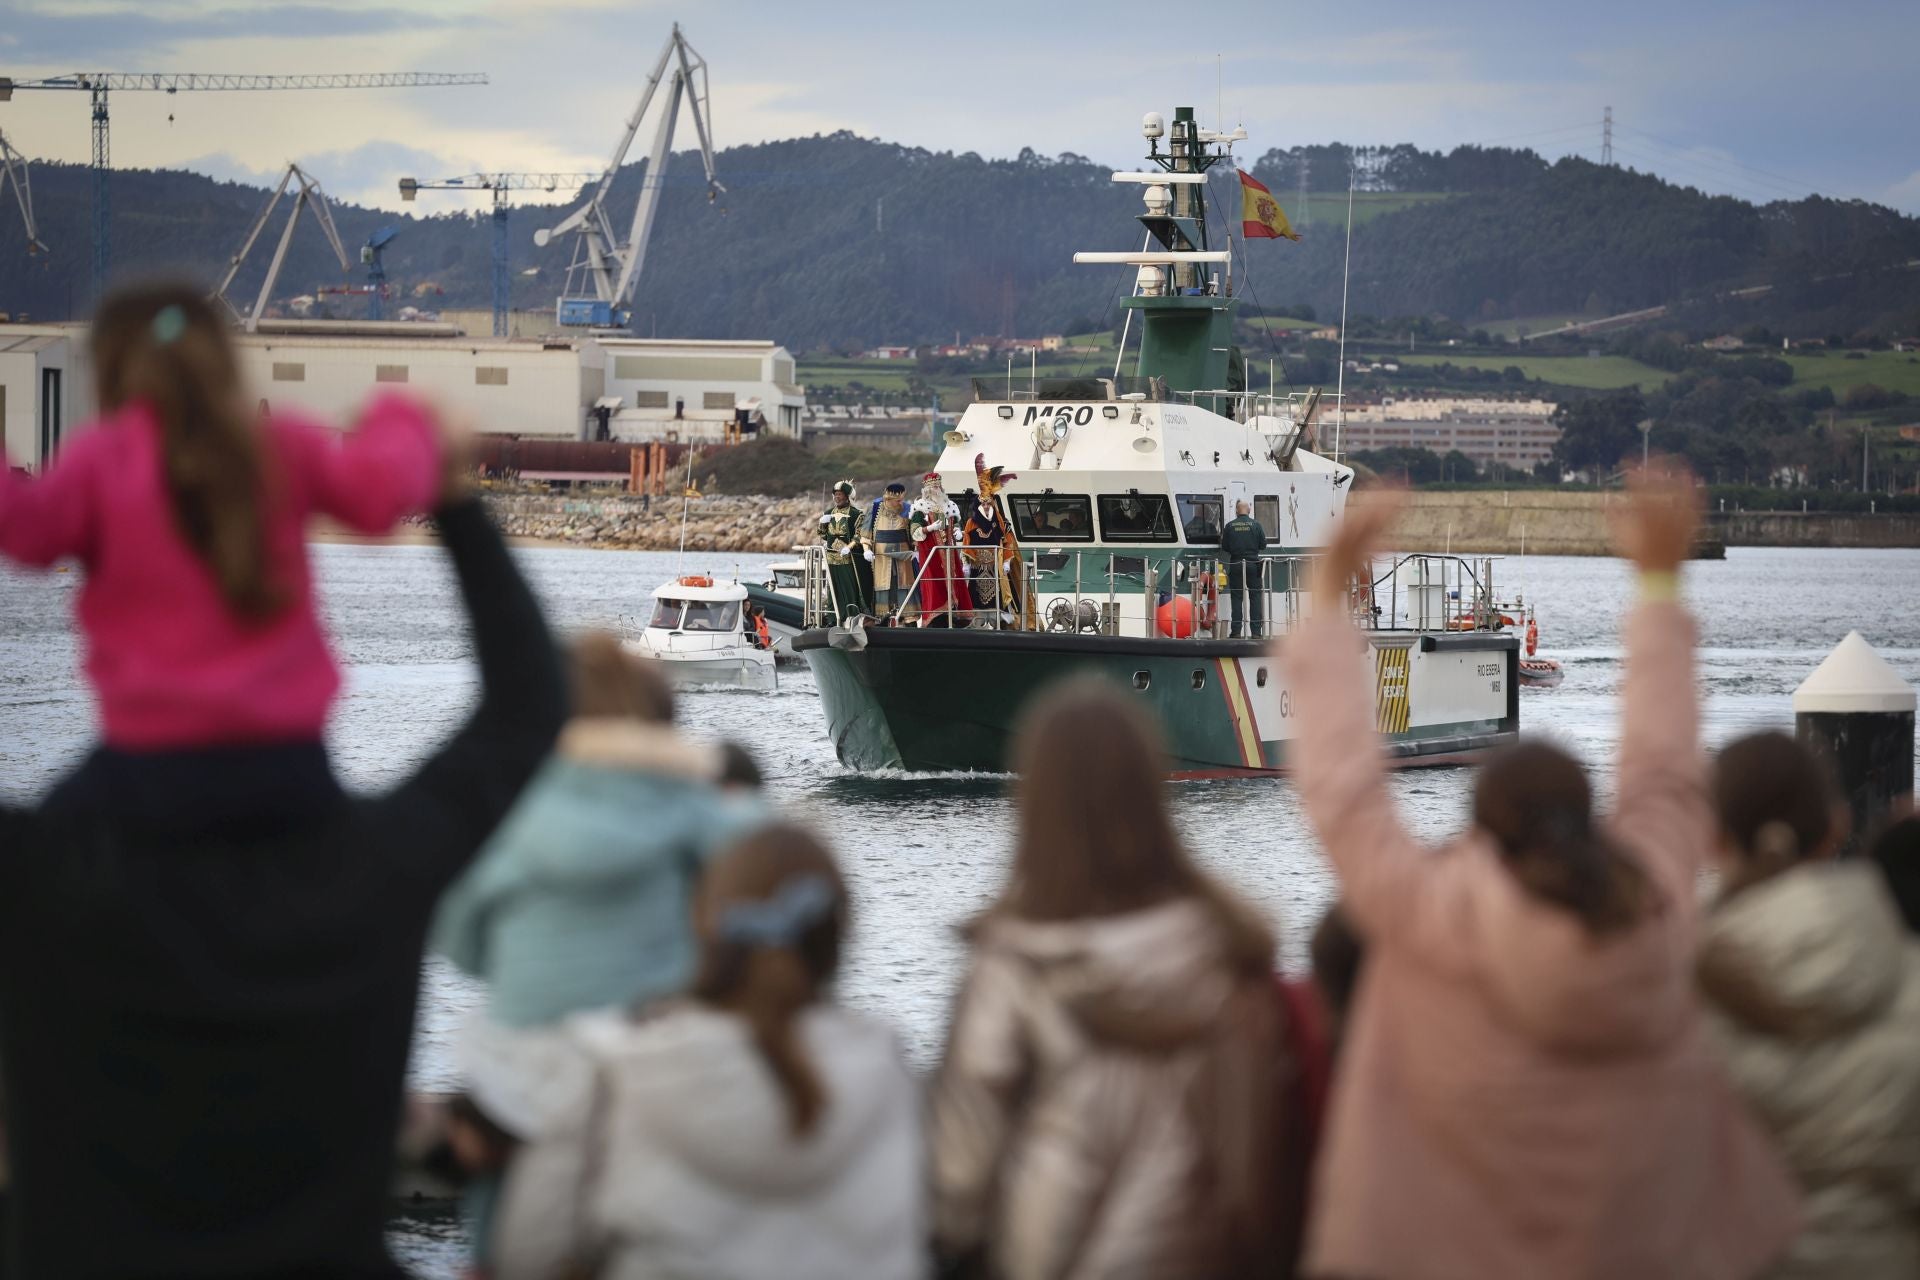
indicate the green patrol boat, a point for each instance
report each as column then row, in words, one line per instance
column 1111, row 560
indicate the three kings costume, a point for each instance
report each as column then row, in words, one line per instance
column 934, row 525
column 840, row 533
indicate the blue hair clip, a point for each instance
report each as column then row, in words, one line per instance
column 801, row 903
column 169, row 322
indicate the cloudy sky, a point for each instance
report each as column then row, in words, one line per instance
column 1759, row 99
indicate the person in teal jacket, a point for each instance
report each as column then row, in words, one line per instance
column 582, row 899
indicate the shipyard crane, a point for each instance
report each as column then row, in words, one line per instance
column 310, row 197
column 501, row 185
column 605, row 268
column 13, row 173
column 373, row 257
column 97, row 84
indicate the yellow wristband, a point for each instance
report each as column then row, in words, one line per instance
column 1659, row 587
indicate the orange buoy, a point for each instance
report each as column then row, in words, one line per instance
column 1175, row 618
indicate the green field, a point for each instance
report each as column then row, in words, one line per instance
column 1593, row 373
column 1326, row 211
column 1888, row 370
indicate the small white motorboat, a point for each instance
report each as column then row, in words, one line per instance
column 699, row 635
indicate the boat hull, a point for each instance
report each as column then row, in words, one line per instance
column 938, row 700
column 732, row 670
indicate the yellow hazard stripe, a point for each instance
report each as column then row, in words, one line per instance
column 1392, row 675
column 1240, row 712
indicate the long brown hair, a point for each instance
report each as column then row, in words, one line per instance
column 1096, row 840
column 1095, row 837
column 1533, row 799
column 766, row 980
column 164, row 346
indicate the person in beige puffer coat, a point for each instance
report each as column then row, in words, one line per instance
column 1109, row 1104
column 1815, row 986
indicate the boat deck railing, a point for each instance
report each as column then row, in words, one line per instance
column 1089, row 592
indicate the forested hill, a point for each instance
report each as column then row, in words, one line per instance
column 838, row 239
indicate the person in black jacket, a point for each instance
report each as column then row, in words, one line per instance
column 211, row 963
column 1241, row 542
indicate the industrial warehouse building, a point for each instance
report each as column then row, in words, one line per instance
column 566, row 387
column 46, row 388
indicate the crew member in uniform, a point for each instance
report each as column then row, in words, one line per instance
column 890, row 550
column 840, row 532
column 1241, row 542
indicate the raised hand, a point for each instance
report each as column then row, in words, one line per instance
column 1359, row 534
column 1656, row 526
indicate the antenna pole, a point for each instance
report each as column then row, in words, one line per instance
column 1606, row 138
column 1346, row 273
column 686, row 497
column 1126, row 326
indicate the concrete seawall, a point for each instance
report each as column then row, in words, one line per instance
column 1815, row 529
column 1575, row 524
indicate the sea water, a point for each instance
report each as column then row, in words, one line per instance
column 922, row 853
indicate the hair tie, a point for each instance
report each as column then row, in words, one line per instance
column 801, row 903
column 169, row 322
column 1777, row 843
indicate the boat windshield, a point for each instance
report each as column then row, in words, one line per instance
column 1087, row 388
column 712, row 615
column 789, row 578
column 1202, row 515
column 666, row 614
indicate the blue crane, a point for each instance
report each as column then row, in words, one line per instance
column 371, row 255
column 501, row 185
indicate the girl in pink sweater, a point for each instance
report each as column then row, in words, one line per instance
column 1525, row 1089
column 188, row 513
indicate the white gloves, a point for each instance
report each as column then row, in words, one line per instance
column 869, row 557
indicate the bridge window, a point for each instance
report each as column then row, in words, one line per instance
column 1137, row 517
column 1201, row 516
column 1051, row 517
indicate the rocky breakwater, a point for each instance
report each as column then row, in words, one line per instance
column 716, row 523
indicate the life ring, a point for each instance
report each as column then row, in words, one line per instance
column 695, row 580
column 1208, row 602
column 1533, row 637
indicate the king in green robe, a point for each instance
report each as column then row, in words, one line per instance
column 840, row 533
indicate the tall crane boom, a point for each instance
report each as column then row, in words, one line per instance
column 13, row 173
column 310, row 197
column 500, row 184
column 603, row 262
column 97, row 84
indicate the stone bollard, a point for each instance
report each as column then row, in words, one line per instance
column 1857, row 712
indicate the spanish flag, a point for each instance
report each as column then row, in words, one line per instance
column 1260, row 212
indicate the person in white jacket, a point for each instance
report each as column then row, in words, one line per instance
column 750, row 1129
column 1815, row 987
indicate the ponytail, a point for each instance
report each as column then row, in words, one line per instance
column 165, row 347
column 1775, row 801
column 773, row 912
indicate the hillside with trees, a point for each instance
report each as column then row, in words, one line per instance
column 838, row 240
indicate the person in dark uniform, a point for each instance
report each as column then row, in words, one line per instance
column 1241, row 542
